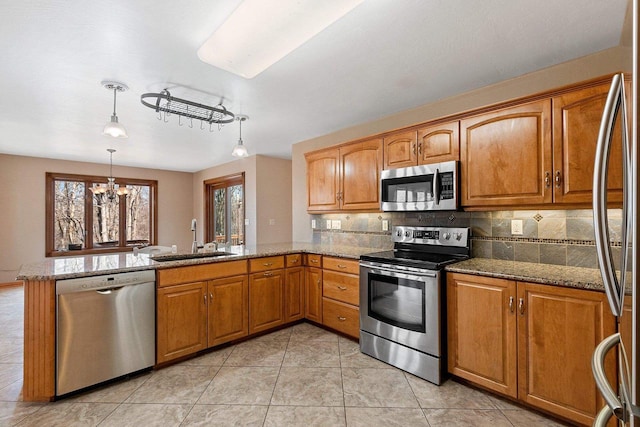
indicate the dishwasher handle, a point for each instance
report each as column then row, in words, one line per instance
column 109, row 290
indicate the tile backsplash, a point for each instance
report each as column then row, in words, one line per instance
column 562, row 237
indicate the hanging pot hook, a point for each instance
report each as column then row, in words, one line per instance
column 179, row 120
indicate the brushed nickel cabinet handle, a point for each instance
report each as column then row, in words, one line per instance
column 295, row 260
column 414, row 148
column 267, row 264
column 511, row 307
column 342, row 288
column 558, row 179
column 205, row 298
column 315, row 261
column 420, row 148
column 342, row 319
column 318, row 282
column 342, row 266
column 547, row 179
column 268, row 274
column 210, row 296
column 521, row 306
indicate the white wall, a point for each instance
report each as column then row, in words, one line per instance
column 22, row 206
column 596, row 65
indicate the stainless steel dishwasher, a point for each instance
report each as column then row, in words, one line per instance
column 105, row 328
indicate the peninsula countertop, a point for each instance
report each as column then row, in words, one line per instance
column 67, row 267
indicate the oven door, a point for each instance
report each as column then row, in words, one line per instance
column 402, row 306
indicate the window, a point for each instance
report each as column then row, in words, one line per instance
column 79, row 220
column 225, row 209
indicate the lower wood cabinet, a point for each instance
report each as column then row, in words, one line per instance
column 293, row 294
column 266, row 300
column 313, row 295
column 341, row 295
column 228, row 309
column 528, row 341
column 341, row 317
column 182, row 318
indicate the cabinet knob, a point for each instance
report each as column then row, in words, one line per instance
column 547, row 179
column 558, row 179
column 521, row 306
column 342, row 319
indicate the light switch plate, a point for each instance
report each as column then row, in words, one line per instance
column 272, row 221
column 516, row 227
column 328, row 224
column 246, row 221
column 336, row 224
column 385, row 225
column 313, row 223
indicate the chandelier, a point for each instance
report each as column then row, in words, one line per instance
column 110, row 189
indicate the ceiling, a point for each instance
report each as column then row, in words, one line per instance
column 383, row 57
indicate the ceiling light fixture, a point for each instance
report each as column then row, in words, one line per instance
column 259, row 33
column 111, row 189
column 240, row 150
column 113, row 128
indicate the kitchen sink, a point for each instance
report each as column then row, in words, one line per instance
column 179, row 257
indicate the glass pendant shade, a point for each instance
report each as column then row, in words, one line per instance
column 114, row 128
column 240, row 150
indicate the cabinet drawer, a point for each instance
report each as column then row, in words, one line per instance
column 341, row 317
column 341, row 287
column 342, row 265
column 314, row 260
column 197, row 273
column 266, row 263
column 294, row 260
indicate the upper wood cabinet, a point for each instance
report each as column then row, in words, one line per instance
column 576, row 123
column 429, row 144
column 345, row 178
column 505, row 154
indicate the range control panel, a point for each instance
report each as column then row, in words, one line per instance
column 441, row 236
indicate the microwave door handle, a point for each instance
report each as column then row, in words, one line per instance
column 600, row 217
column 436, row 186
column 597, row 366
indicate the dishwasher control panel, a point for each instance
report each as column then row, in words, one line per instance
column 104, row 282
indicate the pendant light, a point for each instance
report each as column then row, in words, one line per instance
column 113, row 128
column 240, row 150
column 111, row 189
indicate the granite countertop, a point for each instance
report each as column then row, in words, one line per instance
column 93, row 265
column 548, row 274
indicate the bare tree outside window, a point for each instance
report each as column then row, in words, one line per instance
column 78, row 219
column 225, row 210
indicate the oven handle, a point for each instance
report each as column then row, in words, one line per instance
column 378, row 269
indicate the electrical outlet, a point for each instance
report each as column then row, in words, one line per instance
column 272, row 221
column 246, row 221
column 336, row 224
column 313, row 223
column 385, row 225
column 328, row 224
column 516, row 227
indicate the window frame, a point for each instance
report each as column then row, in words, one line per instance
column 88, row 180
column 210, row 186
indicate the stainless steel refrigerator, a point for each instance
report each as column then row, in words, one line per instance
column 620, row 274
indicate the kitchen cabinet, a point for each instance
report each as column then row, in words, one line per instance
column 428, row 144
column 200, row 306
column 181, row 322
column 341, row 295
column 576, row 123
column 541, row 338
column 228, row 309
column 294, row 277
column 506, row 156
column 266, row 287
column 345, row 178
column 313, row 288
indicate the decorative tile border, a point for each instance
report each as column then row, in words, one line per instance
column 543, row 241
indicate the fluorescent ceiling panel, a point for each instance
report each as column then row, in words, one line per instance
column 259, row 33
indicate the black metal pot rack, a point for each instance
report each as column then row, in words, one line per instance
column 163, row 102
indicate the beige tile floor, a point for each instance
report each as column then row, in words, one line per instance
column 299, row 376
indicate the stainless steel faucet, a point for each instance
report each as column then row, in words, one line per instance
column 194, row 245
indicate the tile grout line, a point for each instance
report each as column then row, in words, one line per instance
column 266, row 414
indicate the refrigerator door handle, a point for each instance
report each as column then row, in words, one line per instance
column 603, row 417
column 597, row 366
column 615, row 104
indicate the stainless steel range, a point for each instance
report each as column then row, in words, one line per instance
column 402, row 298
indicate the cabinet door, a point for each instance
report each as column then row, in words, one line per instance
column 558, row 329
column 504, row 156
column 182, row 318
column 265, row 300
column 439, row 143
column 400, row 150
column 360, row 167
column 293, row 294
column 313, row 295
column 323, row 180
column 481, row 331
column 228, row 309
column 576, row 123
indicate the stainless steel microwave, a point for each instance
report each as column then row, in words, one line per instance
column 420, row 188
